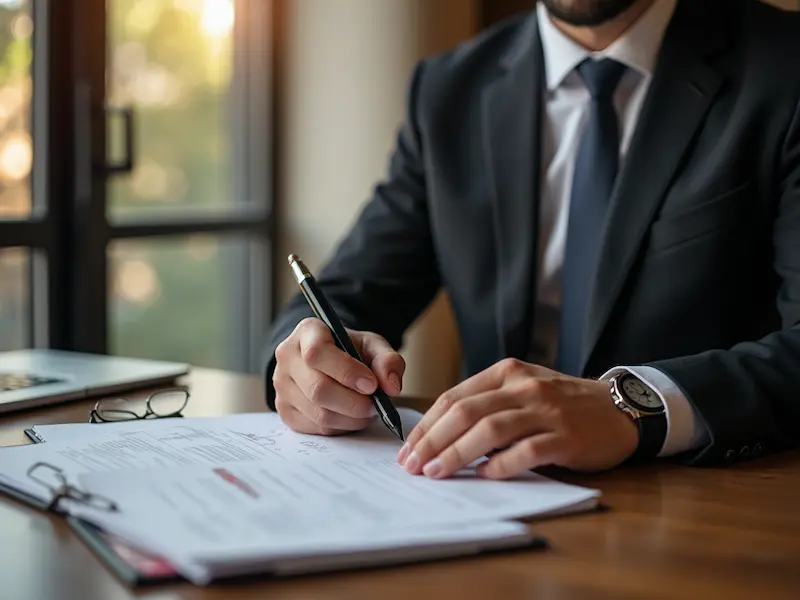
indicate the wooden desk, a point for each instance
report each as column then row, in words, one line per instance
column 670, row 532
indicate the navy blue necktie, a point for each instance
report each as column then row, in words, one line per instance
column 595, row 171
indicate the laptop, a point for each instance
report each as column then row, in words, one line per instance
column 32, row 378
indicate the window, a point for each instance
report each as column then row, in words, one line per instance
column 16, row 157
column 173, row 62
column 135, row 200
column 16, row 154
column 14, row 298
column 177, row 297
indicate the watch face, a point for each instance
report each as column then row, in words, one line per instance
column 641, row 394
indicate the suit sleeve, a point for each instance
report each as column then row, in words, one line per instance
column 384, row 272
column 749, row 396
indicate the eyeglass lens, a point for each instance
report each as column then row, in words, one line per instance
column 119, row 409
column 168, row 402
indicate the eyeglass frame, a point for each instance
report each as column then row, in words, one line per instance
column 95, row 418
column 66, row 490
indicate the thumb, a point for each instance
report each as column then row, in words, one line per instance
column 385, row 362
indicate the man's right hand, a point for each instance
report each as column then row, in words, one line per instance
column 320, row 389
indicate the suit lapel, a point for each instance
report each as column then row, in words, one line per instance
column 682, row 90
column 511, row 132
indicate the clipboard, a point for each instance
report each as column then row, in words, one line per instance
column 27, row 499
column 136, row 568
column 131, row 566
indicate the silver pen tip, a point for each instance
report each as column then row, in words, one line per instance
column 397, row 431
column 299, row 269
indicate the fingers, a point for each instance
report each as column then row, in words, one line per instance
column 305, row 416
column 487, row 380
column 530, row 453
column 328, row 387
column 444, row 403
column 451, row 426
column 385, row 362
column 296, row 421
column 496, row 431
column 320, row 391
column 284, row 404
column 319, row 352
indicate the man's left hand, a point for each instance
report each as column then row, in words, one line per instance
column 524, row 416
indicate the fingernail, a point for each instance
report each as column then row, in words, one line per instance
column 433, row 468
column 365, row 386
column 373, row 412
column 395, row 380
column 403, row 454
column 412, row 464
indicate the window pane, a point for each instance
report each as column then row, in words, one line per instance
column 16, row 151
column 171, row 60
column 14, row 298
column 177, row 299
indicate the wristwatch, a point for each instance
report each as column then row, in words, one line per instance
column 644, row 406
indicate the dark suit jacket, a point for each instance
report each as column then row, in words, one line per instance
column 699, row 273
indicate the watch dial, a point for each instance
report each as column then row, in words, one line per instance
column 640, row 393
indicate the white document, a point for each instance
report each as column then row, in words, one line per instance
column 70, row 432
column 377, row 548
column 312, row 512
column 179, row 443
column 337, row 493
column 229, row 496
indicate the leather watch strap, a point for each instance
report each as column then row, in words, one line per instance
column 652, row 433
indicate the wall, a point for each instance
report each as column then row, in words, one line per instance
column 345, row 66
column 787, row 4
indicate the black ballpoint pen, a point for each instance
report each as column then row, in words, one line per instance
column 324, row 311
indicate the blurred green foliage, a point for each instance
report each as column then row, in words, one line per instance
column 186, row 319
column 15, row 64
column 177, row 77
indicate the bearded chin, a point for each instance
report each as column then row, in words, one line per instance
column 586, row 13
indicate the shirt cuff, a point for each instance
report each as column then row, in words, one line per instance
column 685, row 429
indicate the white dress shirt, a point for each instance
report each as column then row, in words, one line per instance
column 565, row 113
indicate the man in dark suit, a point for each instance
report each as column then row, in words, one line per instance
column 609, row 190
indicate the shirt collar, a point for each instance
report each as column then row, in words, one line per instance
column 637, row 48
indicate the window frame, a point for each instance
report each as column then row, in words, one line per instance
column 69, row 231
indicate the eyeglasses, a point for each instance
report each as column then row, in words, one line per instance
column 56, row 482
column 163, row 404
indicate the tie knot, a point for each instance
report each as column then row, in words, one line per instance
column 601, row 77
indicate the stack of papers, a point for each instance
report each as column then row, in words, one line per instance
column 243, row 494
